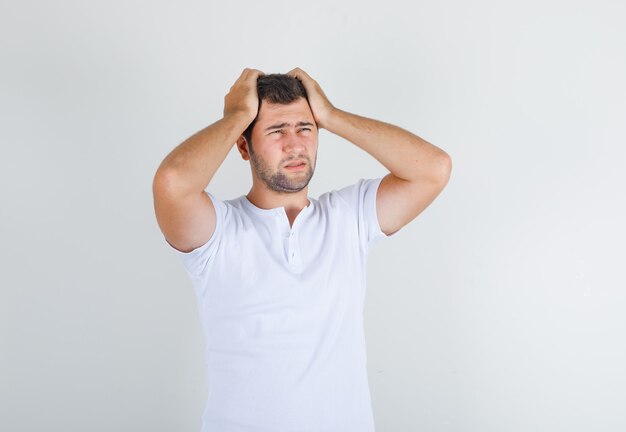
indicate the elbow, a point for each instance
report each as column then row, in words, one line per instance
column 442, row 168
column 165, row 181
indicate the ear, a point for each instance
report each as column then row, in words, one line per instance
column 242, row 146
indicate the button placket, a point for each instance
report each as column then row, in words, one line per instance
column 295, row 258
column 289, row 237
column 286, row 233
column 291, row 251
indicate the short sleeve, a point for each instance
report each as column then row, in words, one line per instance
column 197, row 262
column 362, row 199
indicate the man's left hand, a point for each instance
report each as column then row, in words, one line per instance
column 320, row 105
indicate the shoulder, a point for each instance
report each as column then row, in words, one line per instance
column 353, row 194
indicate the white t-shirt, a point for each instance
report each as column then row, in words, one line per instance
column 282, row 311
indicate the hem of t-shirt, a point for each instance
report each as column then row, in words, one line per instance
column 209, row 242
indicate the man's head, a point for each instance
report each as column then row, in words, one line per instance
column 284, row 132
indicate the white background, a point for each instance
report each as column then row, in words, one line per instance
column 500, row 308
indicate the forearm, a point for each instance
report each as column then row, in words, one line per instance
column 193, row 163
column 404, row 154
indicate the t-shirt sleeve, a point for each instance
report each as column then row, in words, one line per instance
column 197, row 262
column 362, row 199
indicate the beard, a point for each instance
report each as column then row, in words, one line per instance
column 279, row 180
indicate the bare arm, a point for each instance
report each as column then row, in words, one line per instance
column 418, row 169
column 184, row 212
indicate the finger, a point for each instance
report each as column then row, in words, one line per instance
column 244, row 73
column 293, row 72
column 298, row 73
column 248, row 73
column 256, row 73
column 252, row 75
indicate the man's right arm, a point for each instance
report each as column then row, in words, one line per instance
column 184, row 212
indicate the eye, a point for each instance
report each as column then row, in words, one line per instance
column 307, row 129
column 279, row 131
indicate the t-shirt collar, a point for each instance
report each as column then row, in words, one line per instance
column 271, row 211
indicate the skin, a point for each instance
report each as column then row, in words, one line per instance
column 273, row 185
column 418, row 170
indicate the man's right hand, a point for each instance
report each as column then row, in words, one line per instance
column 243, row 96
column 185, row 213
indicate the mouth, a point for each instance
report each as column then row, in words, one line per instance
column 296, row 165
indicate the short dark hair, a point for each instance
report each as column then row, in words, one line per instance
column 279, row 89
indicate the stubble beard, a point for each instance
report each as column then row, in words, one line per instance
column 278, row 180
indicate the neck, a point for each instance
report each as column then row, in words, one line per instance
column 268, row 199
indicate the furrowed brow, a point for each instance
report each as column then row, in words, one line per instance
column 276, row 126
column 282, row 125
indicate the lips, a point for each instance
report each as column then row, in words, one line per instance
column 295, row 164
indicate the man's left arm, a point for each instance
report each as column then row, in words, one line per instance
column 418, row 169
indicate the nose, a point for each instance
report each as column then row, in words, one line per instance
column 293, row 144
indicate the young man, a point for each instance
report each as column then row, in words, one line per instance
column 280, row 276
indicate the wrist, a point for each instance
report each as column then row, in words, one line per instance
column 325, row 121
column 239, row 119
column 329, row 119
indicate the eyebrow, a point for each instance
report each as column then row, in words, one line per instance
column 282, row 125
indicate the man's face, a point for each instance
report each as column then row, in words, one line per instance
column 284, row 135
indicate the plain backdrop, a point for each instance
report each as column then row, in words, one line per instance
column 500, row 308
